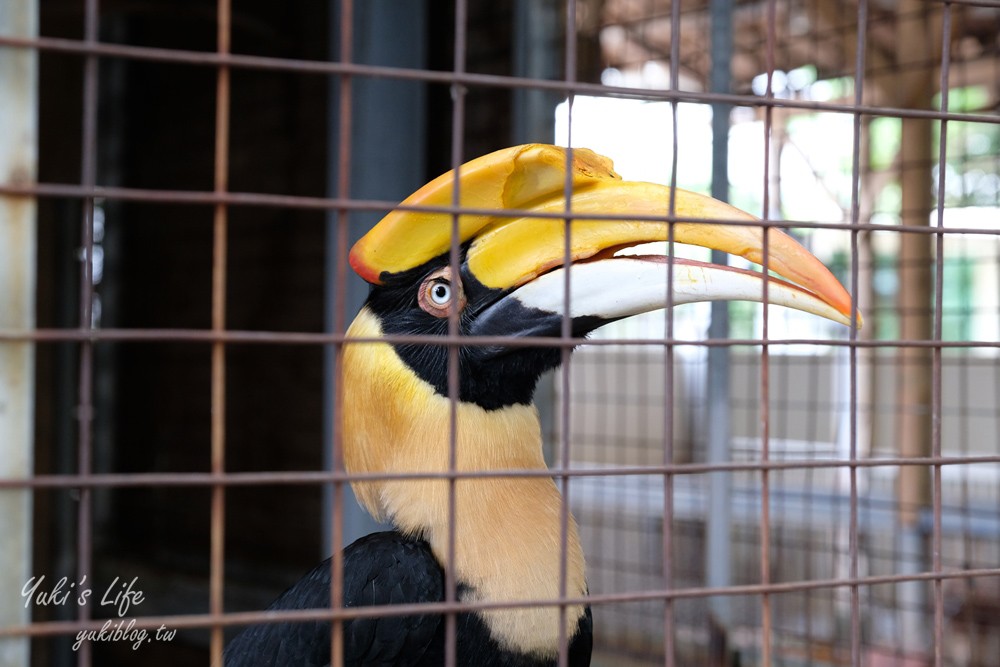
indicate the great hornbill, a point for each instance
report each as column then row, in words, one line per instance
column 511, row 282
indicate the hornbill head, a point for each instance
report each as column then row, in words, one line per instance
column 511, row 276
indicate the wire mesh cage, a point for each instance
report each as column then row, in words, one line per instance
column 181, row 184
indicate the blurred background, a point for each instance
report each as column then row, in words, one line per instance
column 153, row 190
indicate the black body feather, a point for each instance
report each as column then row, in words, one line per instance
column 381, row 569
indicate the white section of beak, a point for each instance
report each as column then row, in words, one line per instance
column 619, row 287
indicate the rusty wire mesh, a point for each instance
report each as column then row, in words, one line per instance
column 862, row 513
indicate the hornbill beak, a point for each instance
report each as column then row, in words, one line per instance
column 514, row 246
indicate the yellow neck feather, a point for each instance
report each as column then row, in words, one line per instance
column 508, row 530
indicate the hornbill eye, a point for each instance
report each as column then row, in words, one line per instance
column 440, row 293
column 437, row 292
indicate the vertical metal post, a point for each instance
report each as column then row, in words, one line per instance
column 538, row 38
column 18, row 162
column 538, row 54
column 220, row 244
column 387, row 162
column 719, row 520
column 855, row 395
column 916, row 87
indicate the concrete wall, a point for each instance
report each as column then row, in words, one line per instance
column 617, row 413
column 617, row 420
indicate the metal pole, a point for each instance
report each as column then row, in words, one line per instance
column 538, row 51
column 387, row 162
column 720, row 490
column 916, row 86
column 18, row 163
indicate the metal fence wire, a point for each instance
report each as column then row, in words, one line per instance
column 181, row 182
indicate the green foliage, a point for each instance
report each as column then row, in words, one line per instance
column 884, row 137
